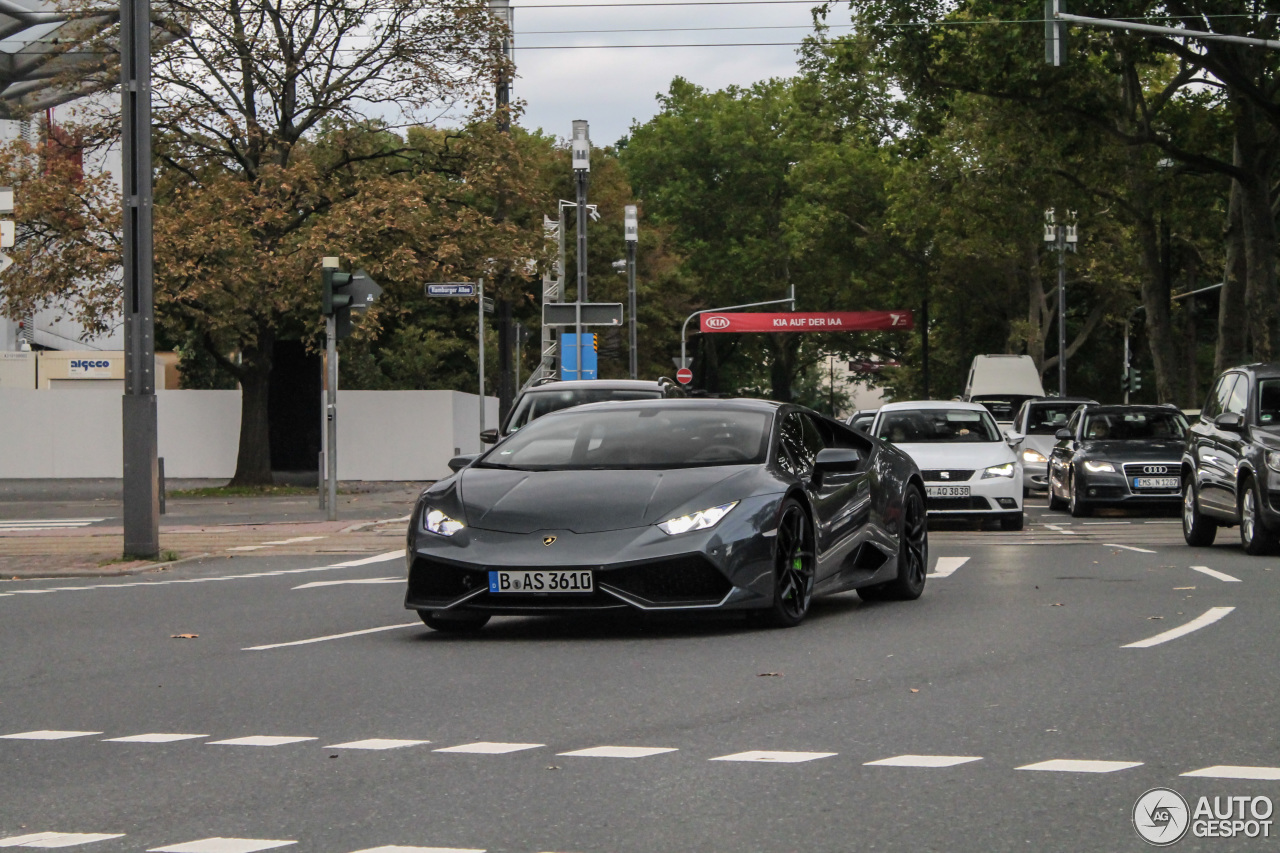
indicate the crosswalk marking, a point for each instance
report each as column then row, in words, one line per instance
column 224, row 845
column 485, row 747
column 260, row 740
column 774, row 757
column 923, row 761
column 1073, row 765
column 152, row 737
column 377, row 743
column 946, row 566
column 50, row 840
column 1228, row 771
column 618, row 752
column 47, row 524
column 397, row 849
column 46, row 734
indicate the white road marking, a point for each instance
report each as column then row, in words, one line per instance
column 1103, row 523
column 1213, row 614
column 923, row 761
column 377, row 743
column 376, row 558
column 397, row 849
column 50, row 840
column 295, row 539
column 46, row 734
column 47, row 524
column 247, row 548
column 1072, row 765
column 774, row 757
column 357, row 581
column 946, row 566
column 1162, row 522
column 1128, row 548
column 260, row 740
column 331, row 637
column 152, row 737
column 618, row 751
column 1227, row 771
column 490, row 747
column 1205, row 570
column 223, row 845
column 1060, row 530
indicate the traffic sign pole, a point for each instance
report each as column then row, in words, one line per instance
column 480, row 326
column 685, row 328
column 631, row 231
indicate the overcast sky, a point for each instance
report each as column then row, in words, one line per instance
column 611, row 88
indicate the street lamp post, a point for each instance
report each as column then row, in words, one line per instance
column 1063, row 238
column 581, row 171
column 631, row 231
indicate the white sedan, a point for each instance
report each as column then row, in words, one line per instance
column 969, row 468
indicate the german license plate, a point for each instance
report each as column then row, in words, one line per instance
column 1157, row 483
column 947, row 491
column 542, row 581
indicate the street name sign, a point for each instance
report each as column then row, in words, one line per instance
column 451, row 288
column 796, row 321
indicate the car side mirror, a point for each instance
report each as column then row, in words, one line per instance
column 1013, row 437
column 1229, row 422
column 457, row 463
column 1063, row 435
column 489, row 436
column 837, row 459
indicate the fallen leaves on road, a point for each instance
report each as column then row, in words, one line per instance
column 183, row 636
column 915, row 690
column 769, row 675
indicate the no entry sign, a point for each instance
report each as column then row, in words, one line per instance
column 684, row 376
column 822, row 321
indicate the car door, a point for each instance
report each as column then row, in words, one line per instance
column 1060, row 459
column 1232, row 446
column 1215, row 471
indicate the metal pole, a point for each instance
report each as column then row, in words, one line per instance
column 331, row 414
column 631, row 308
column 519, row 334
column 685, row 328
column 1127, row 321
column 581, row 295
column 480, row 327
column 141, row 471
column 924, row 337
column 1062, row 310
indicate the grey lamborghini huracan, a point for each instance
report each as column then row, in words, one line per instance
column 668, row 505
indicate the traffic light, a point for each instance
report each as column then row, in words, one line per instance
column 1135, row 379
column 343, row 291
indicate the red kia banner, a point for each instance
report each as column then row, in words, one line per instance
column 824, row 321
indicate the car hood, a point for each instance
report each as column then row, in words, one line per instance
column 592, row 501
column 1132, row 451
column 935, row 455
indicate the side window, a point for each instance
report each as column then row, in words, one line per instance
column 1218, row 397
column 1239, row 400
column 1075, row 421
column 799, row 445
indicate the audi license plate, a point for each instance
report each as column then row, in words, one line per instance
column 947, row 491
column 1157, row 483
column 543, row 580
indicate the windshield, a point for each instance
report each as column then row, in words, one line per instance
column 918, row 426
column 1269, row 403
column 538, row 403
column 862, row 423
column 626, row 437
column 1134, row 426
column 1002, row 406
column 1048, row 419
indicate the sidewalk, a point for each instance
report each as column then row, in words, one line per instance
column 372, row 519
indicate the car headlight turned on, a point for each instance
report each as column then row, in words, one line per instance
column 1005, row 470
column 1033, row 457
column 1273, row 460
column 1098, row 467
column 437, row 522
column 700, row 520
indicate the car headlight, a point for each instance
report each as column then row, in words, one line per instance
column 1033, row 457
column 439, row 523
column 1273, row 460
column 1005, row 470
column 700, row 520
column 1098, row 467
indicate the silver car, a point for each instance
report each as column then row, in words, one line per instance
column 1036, row 422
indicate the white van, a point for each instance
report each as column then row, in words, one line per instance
column 1002, row 383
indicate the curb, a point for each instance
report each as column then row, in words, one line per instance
column 104, row 572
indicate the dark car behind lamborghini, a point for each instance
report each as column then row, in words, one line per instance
column 668, row 505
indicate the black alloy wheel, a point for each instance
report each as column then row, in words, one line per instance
column 793, row 571
column 1198, row 530
column 913, row 554
column 1256, row 538
column 454, row 623
column 1079, row 509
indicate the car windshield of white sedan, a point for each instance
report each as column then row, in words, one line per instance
column 1134, row 426
column 635, row 438
column 924, row 426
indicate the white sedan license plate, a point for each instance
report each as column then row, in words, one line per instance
column 542, row 581
column 1157, row 483
column 947, row 491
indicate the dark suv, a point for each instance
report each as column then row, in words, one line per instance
column 1231, row 463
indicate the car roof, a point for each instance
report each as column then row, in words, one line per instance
column 735, row 403
column 603, row 384
column 1047, row 400
column 1262, row 369
column 1137, row 407
column 913, row 405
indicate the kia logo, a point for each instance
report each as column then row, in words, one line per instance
column 1155, row 469
column 717, row 322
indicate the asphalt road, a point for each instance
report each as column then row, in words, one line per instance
column 1017, row 654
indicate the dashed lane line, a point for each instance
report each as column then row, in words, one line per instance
column 1061, row 530
column 331, row 637
column 152, row 737
column 260, row 740
column 946, row 566
column 1227, row 771
column 396, row 849
column 355, row 582
column 47, row 734
column 50, row 840
column 1222, row 576
column 490, row 748
column 1074, row 765
column 1128, row 548
column 378, row 743
column 224, row 845
column 1213, row 614
column 923, row 761
column 619, row 751
column 774, row 757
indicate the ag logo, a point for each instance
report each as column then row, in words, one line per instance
column 548, row 540
column 717, row 322
column 1161, row 817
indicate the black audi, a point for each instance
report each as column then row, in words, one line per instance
column 1108, row 455
column 669, row 505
